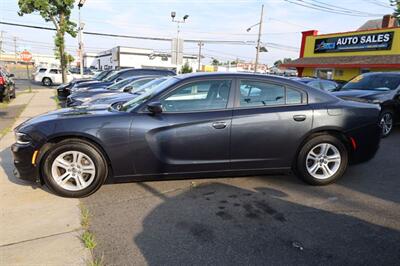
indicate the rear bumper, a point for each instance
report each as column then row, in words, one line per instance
column 24, row 169
column 367, row 141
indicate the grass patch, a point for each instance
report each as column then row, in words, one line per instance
column 3, row 105
column 88, row 238
column 57, row 100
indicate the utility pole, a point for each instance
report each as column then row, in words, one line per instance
column 15, row 49
column 259, row 38
column 200, row 44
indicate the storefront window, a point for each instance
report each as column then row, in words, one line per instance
column 324, row 73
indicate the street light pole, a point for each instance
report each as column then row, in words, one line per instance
column 80, row 40
column 259, row 39
column 178, row 22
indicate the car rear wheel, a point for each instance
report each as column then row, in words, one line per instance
column 47, row 82
column 322, row 160
column 74, row 168
column 386, row 123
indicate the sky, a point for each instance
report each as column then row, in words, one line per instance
column 208, row 20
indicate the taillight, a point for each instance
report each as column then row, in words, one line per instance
column 2, row 81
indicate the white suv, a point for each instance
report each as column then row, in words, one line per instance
column 53, row 76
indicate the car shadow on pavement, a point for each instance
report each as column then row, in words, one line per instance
column 221, row 224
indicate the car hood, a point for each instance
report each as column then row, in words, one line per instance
column 88, row 93
column 366, row 94
column 68, row 113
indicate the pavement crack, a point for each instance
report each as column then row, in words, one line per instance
column 39, row 238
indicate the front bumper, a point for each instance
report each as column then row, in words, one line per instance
column 24, row 169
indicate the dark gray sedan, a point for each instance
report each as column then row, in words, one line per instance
column 199, row 125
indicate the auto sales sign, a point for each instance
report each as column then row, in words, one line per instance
column 352, row 43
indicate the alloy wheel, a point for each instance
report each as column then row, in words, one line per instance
column 323, row 161
column 73, row 170
column 386, row 124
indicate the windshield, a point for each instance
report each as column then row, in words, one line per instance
column 129, row 106
column 373, row 82
column 149, row 85
column 100, row 75
column 112, row 77
column 134, row 85
column 119, row 84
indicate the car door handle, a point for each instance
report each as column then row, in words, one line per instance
column 299, row 118
column 219, row 125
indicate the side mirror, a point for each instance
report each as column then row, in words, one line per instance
column 11, row 75
column 154, row 107
column 127, row 89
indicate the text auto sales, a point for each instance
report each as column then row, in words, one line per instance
column 378, row 41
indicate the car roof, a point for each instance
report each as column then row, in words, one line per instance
column 394, row 73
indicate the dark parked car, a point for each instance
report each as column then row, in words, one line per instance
column 7, row 86
column 118, row 99
column 199, row 125
column 323, row 84
column 82, row 97
column 65, row 89
column 381, row 88
column 120, row 75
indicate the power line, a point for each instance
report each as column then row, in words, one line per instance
column 328, row 9
column 233, row 42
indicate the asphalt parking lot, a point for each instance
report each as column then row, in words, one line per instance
column 262, row 220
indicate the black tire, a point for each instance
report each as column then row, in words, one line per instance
column 90, row 150
column 301, row 169
column 14, row 94
column 385, row 114
column 46, row 82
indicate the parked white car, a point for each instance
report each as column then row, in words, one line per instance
column 53, row 76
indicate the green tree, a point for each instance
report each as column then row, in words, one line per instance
column 278, row 63
column 58, row 12
column 396, row 4
column 186, row 68
column 284, row 61
column 215, row 62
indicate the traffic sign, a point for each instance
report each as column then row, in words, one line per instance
column 25, row 56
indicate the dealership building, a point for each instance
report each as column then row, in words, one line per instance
column 342, row 56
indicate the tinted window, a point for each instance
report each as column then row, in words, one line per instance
column 254, row 93
column 328, row 85
column 42, row 70
column 198, row 96
column 53, row 71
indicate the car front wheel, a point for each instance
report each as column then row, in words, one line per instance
column 386, row 123
column 74, row 168
column 322, row 160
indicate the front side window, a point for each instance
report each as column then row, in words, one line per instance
column 53, row 71
column 257, row 94
column 198, row 96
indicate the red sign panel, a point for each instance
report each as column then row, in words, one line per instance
column 25, row 56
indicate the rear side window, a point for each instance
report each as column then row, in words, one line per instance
column 258, row 94
column 42, row 70
column 53, row 71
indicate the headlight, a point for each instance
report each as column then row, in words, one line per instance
column 22, row 138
